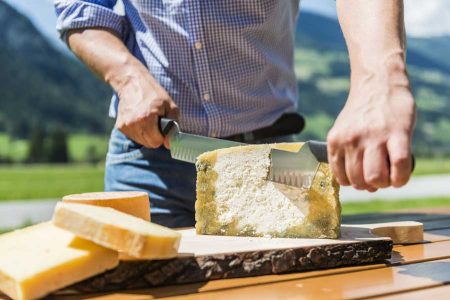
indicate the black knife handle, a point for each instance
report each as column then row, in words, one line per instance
column 320, row 151
column 165, row 125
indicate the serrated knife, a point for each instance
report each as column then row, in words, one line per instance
column 186, row 147
column 290, row 168
column 298, row 168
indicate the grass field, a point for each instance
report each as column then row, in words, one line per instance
column 428, row 166
column 48, row 181
column 16, row 149
column 351, row 208
column 78, row 145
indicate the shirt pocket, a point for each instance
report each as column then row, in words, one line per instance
column 121, row 149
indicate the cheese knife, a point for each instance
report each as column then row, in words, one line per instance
column 299, row 168
column 290, row 168
column 186, row 147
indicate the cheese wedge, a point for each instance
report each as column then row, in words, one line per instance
column 130, row 202
column 113, row 229
column 41, row 259
column 235, row 197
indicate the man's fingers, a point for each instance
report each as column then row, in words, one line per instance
column 337, row 164
column 336, row 159
column 398, row 147
column 376, row 167
column 173, row 111
column 354, row 167
column 151, row 134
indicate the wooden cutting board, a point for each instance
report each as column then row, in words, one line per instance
column 204, row 257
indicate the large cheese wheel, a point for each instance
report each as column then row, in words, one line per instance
column 130, row 202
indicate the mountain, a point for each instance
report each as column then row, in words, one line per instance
column 323, row 70
column 324, row 34
column 39, row 85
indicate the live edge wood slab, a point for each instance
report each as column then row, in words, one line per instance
column 203, row 258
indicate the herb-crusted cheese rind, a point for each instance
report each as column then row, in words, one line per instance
column 234, row 197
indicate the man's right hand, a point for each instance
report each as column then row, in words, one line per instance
column 142, row 100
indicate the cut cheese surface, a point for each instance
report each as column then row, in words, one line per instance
column 116, row 230
column 130, row 202
column 41, row 259
column 235, row 197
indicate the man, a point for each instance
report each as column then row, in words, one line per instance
column 224, row 68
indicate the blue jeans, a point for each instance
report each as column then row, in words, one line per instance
column 169, row 183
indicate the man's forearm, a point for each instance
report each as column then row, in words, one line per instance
column 374, row 32
column 142, row 99
column 106, row 55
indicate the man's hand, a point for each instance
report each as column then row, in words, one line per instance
column 142, row 102
column 370, row 142
column 142, row 99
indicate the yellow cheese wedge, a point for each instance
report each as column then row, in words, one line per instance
column 41, row 259
column 235, row 197
column 113, row 229
column 130, row 202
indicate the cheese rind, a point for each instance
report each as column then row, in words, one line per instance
column 134, row 203
column 41, row 259
column 116, row 230
column 235, row 197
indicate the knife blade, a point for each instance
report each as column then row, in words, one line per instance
column 187, row 147
column 297, row 168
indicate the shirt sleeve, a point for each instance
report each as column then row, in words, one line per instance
column 73, row 14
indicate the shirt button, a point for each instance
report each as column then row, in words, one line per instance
column 198, row 45
column 206, row 96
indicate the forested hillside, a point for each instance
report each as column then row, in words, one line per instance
column 40, row 86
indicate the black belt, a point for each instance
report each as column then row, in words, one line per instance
column 290, row 123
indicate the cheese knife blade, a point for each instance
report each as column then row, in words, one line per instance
column 297, row 168
column 187, row 147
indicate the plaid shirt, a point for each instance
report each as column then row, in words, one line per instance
column 228, row 64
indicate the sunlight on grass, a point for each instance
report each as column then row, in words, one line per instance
column 429, row 166
column 80, row 143
column 48, row 181
column 350, row 208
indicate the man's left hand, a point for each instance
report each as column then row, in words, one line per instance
column 370, row 142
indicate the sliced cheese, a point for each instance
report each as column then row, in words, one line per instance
column 116, row 230
column 130, row 202
column 41, row 259
column 235, row 197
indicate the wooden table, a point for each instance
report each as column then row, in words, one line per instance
column 420, row 271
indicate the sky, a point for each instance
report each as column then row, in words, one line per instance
column 423, row 18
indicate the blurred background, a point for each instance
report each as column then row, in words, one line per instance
column 53, row 112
